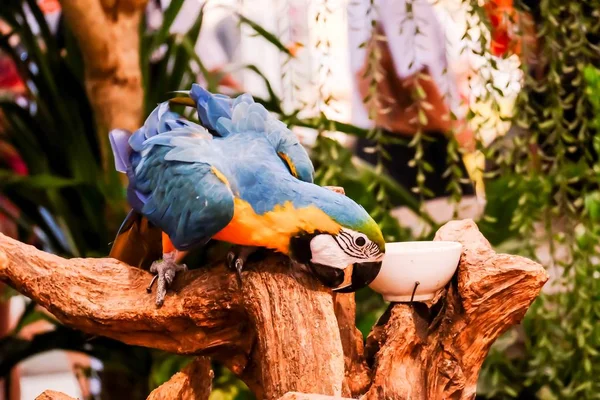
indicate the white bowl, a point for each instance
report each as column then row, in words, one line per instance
column 430, row 263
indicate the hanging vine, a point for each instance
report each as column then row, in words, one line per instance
column 553, row 164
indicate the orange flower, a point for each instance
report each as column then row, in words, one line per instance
column 49, row 6
column 294, row 48
column 503, row 18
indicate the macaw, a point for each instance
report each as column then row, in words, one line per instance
column 240, row 177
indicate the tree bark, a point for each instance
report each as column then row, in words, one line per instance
column 278, row 332
column 309, row 396
column 282, row 332
column 435, row 351
column 357, row 373
column 194, row 382
column 106, row 297
column 53, row 395
column 298, row 346
column 107, row 32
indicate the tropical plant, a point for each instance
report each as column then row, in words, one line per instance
column 551, row 169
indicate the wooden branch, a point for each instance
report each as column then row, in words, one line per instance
column 194, row 382
column 53, row 395
column 435, row 351
column 106, row 297
column 278, row 332
column 357, row 372
column 298, row 345
column 310, row 396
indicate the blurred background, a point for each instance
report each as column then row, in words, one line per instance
column 424, row 111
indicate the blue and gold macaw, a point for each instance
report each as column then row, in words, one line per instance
column 241, row 177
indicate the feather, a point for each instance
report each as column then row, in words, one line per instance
column 119, row 142
column 217, row 108
column 210, row 107
column 183, row 154
column 137, row 242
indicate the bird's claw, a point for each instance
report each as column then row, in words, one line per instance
column 235, row 264
column 149, row 288
column 236, row 259
column 165, row 271
column 239, row 267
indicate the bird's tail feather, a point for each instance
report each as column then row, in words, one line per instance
column 138, row 241
column 119, row 141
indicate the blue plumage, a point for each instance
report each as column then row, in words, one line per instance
column 225, row 116
column 176, row 168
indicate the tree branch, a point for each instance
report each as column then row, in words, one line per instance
column 107, row 32
column 278, row 332
column 53, row 395
column 194, row 382
column 106, row 297
column 298, row 346
column 310, row 396
column 435, row 351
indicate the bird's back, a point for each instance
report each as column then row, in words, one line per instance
column 190, row 180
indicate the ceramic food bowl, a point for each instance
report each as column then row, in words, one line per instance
column 430, row 263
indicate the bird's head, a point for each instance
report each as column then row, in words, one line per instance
column 357, row 242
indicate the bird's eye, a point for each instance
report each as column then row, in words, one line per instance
column 360, row 241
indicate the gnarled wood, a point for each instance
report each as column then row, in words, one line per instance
column 310, row 396
column 278, row 331
column 194, row 382
column 283, row 333
column 435, row 351
column 298, row 345
column 53, row 395
column 106, row 297
column 357, row 372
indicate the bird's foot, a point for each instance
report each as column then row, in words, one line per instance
column 165, row 271
column 237, row 257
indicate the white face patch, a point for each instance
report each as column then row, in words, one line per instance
column 344, row 249
column 326, row 251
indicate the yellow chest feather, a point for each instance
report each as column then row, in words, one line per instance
column 274, row 228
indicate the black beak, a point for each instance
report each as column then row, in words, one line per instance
column 362, row 275
column 330, row 277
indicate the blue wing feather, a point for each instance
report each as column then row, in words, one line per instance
column 185, row 199
column 241, row 115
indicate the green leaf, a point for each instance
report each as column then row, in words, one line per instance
column 9, row 178
column 270, row 37
column 169, row 16
column 274, row 100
